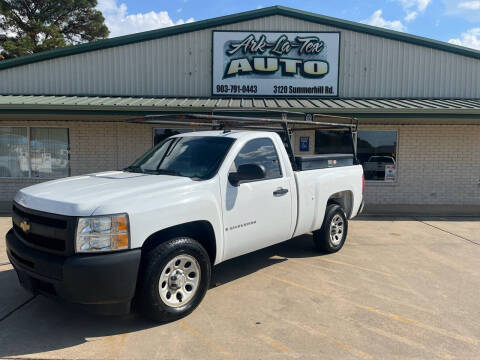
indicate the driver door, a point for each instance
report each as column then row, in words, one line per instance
column 258, row 213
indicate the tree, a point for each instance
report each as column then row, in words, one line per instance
column 31, row 26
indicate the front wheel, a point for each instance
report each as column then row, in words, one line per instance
column 331, row 236
column 174, row 280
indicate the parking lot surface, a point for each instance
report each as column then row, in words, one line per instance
column 399, row 289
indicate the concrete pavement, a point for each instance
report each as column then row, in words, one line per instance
column 398, row 289
column 5, row 224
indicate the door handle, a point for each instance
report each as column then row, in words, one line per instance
column 280, row 192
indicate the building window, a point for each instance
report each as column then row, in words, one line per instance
column 37, row 152
column 333, row 142
column 161, row 134
column 14, row 152
column 377, row 152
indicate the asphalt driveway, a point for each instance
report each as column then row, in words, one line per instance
column 398, row 289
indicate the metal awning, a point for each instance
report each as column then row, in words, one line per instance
column 331, row 105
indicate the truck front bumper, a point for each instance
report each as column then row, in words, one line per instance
column 100, row 283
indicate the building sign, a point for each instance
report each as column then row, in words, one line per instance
column 390, row 172
column 275, row 64
column 304, row 143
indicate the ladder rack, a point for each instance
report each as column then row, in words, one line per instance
column 237, row 121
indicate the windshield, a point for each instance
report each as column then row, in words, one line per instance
column 196, row 157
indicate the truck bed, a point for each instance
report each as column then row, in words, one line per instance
column 314, row 188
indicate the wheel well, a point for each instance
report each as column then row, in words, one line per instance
column 344, row 199
column 201, row 231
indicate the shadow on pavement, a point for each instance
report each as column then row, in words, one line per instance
column 43, row 325
column 299, row 247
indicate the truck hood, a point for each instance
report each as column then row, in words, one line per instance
column 82, row 195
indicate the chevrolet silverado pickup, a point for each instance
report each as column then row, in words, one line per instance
column 150, row 234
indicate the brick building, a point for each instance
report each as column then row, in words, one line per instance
column 64, row 112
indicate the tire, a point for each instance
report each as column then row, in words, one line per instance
column 174, row 279
column 335, row 220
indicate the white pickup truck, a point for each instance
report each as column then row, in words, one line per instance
column 152, row 232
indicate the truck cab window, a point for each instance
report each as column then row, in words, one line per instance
column 260, row 152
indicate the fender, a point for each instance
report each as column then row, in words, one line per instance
column 314, row 192
column 155, row 211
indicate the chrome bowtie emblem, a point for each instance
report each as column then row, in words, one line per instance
column 25, row 226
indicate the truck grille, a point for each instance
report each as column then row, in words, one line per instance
column 44, row 231
column 48, row 221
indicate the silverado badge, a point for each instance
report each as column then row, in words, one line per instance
column 25, row 226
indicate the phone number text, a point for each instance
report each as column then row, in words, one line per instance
column 237, row 89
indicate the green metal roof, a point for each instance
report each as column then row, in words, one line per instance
column 19, row 103
column 229, row 19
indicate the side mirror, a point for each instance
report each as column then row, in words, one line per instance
column 247, row 172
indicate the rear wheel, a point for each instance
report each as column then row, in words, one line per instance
column 174, row 280
column 331, row 236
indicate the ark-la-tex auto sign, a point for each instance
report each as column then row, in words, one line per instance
column 275, row 63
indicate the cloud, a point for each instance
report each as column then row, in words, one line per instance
column 422, row 4
column 465, row 9
column 6, row 32
column 470, row 38
column 3, row 32
column 376, row 19
column 419, row 5
column 120, row 22
column 470, row 5
column 411, row 16
column 413, row 8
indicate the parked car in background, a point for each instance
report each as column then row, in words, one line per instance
column 374, row 167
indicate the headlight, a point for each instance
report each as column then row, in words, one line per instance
column 102, row 233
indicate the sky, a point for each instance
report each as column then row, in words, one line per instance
column 454, row 21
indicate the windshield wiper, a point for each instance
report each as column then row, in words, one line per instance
column 162, row 172
column 134, row 169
